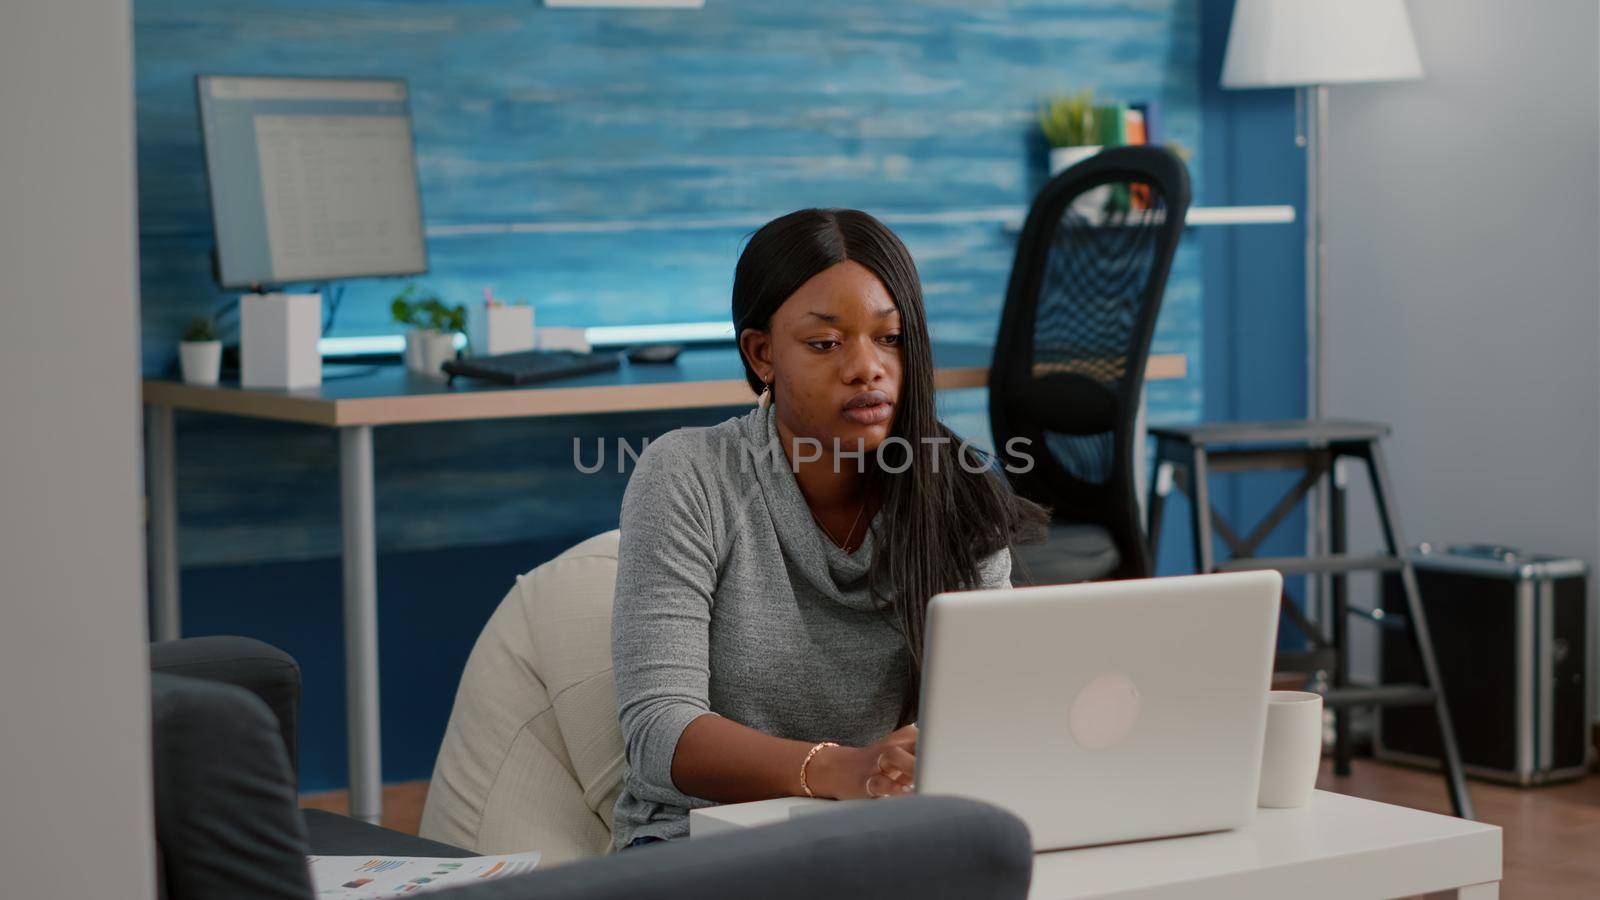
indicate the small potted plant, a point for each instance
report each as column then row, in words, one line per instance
column 432, row 330
column 200, row 352
column 1070, row 127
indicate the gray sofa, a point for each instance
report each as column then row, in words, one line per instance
column 224, row 712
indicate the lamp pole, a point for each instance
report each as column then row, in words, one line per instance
column 1315, row 100
column 1308, row 45
column 1316, row 97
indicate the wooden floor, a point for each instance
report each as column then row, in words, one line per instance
column 1552, row 834
column 402, row 804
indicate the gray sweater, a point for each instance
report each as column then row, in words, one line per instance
column 731, row 601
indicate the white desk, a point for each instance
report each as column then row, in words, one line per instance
column 1338, row 848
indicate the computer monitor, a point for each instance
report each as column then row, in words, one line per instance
column 311, row 179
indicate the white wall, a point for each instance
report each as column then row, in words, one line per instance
column 74, row 697
column 1463, row 299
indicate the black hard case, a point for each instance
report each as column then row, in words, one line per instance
column 1511, row 633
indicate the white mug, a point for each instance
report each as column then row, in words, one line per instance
column 1293, row 749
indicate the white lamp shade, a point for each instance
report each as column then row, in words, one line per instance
column 1289, row 43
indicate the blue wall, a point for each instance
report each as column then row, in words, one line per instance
column 678, row 132
column 604, row 165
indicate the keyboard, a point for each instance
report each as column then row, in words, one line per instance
column 532, row 366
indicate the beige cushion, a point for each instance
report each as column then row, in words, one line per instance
column 532, row 758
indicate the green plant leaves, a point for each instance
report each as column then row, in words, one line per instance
column 200, row 328
column 1070, row 120
column 428, row 312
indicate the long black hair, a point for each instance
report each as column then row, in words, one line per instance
column 939, row 519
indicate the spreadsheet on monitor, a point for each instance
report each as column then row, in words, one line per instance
column 311, row 179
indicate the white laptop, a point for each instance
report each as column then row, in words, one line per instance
column 1102, row 712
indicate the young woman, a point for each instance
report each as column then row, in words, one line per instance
column 775, row 569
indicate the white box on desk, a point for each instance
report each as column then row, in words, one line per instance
column 278, row 336
column 502, row 328
column 556, row 337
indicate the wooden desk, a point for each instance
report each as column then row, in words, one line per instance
column 701, row 377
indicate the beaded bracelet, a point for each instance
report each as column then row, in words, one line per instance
column 814, row 750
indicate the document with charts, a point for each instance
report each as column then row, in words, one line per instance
column 340, row 194
column 374, row 877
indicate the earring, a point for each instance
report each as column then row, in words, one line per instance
column 765, row 400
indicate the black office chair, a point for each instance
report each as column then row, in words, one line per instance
column 1069, row 363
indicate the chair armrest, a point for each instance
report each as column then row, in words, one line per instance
column 226, row 822
column 923, row 847
column 257, row 666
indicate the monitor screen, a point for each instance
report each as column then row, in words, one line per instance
column 311, row 179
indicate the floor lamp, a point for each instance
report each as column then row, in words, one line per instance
column 1308, row 45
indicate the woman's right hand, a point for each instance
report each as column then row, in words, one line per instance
column 885, row 768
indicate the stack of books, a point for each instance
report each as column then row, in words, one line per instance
column 1122, row 124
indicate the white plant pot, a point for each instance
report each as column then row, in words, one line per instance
column 1064, row 158
column 428, row 349
column 200, row 361
column 1093, row 201
column 413, row 353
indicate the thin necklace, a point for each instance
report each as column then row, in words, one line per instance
column 845, row 546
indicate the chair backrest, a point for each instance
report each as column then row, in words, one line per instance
column 1069, row 361
column 532, row 758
